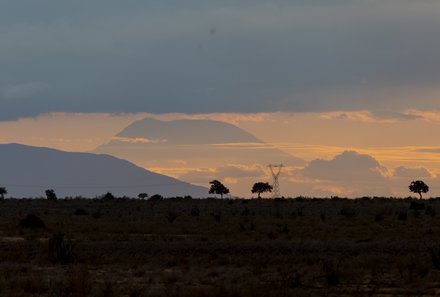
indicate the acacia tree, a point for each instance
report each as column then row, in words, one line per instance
column 218, row 188
column 50, row 194
column 3, row 192
column 261, row 187
column 418, row 187
column 142, row 195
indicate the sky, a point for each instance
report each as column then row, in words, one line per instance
column 210, row 56
column 315, row 78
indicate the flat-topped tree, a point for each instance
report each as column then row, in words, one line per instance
column 218, row 188
column 142, row 195
column 261, row 187
column 418, row 187
column 3, row 192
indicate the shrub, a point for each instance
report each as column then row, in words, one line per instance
column 80, row 212
column 50, row 195
column 217, row 215
column 415, row 205
column 348, row 212
column 331, row 274
column 430, row 211
column 402, row 215
column 172, row 216
column 379, row 217
column 108, row 196
column 195, row 212
column 32, row 222
column 60, row 249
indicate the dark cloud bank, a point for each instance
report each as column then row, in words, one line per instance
column 212, row 56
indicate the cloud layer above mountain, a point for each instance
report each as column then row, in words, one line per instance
column 211, row 56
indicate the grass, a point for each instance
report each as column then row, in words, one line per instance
column 211, row 247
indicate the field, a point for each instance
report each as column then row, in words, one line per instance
column 213, row 247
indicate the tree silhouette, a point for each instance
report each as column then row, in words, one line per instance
column 218, row 188
column 50, row 195
column 3, row 192
column 108, row 196
column 418, row 187
column 142, row 195
column 261, row 187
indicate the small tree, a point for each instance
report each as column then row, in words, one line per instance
column 108, row 196
column 3, row 192
column 218, row 188
column 142, row 195
column 418, row 187
column 261, row 187
column 50, row 195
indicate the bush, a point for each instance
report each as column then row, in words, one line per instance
column 430, row 211
column 172, row 216
column 348, row 212
column 402, row 215
column 108, row 196
column 50, row 195
column 60, row 249
column 331, row 273
column 217, row 215
column 155, row 197
column 415, row 205
column 32, row 222
column 80, row 212
column 195, row 212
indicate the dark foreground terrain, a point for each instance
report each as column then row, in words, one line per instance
column 188, row 247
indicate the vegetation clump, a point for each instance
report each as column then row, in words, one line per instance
column 60, row 249
column 218, row 188
column 50, row 195
column 3, row 192
column 419, row 187
column 108, row 196
column 80, row 212
column 260, row 188
column 143, row 195
column 31, row 221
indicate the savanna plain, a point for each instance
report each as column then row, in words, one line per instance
column 220, row 247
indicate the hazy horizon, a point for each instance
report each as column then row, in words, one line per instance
column 372, row 158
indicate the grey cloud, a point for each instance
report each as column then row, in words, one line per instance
column 237, row 171
column 411, row 173
column 428, row 150
column 349, row 166
column 160, row 56
column 24, row 90
column 228, row 171
column 348, row 174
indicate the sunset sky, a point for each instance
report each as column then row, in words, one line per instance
column 354, row 83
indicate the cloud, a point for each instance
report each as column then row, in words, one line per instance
column 373, row 117
column 348, row 174
column 238, row 171
column 265, row 56
column 428, row 150
column 230, row 172
column 24, row 90
column 348, row 166
column 138, row 140
column 411, row 173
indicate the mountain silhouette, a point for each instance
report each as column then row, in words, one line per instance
column 153, row 143
column 187, row 132
column 28, row 171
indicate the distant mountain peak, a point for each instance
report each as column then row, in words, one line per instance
column 187, row 131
